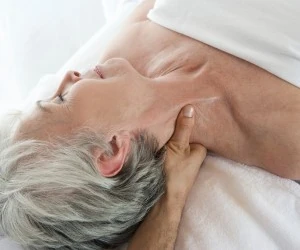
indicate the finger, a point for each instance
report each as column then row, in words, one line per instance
column 183, row 128
column 197, row 151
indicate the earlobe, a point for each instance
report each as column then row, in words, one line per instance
column 109, row 166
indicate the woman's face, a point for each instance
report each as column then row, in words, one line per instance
column 111, row 97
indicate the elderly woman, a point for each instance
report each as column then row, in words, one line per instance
column 84, row 167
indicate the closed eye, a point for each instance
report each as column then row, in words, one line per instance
column 61, row 97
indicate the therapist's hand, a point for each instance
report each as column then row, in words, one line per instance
column 183, row 161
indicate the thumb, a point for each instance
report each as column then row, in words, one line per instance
column 183, row 128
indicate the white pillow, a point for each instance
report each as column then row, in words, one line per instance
column 87, row 56
column 37, row 37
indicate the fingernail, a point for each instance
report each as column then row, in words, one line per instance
column 188, row 111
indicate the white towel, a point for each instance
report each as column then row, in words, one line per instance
column 265, row 33
column 233, row 206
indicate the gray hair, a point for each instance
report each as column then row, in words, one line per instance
column 53, row 197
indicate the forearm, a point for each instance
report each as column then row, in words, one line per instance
column 159, row 229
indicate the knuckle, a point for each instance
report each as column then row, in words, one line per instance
column 199, row 151
column 202, row 149
column 185, row 124
column 176, row 146
column 202, row 153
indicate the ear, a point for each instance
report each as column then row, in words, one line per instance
column 110, row 166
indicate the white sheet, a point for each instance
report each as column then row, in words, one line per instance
column 231, row 206
column 265, row 33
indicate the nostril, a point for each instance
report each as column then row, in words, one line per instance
column 76, row 73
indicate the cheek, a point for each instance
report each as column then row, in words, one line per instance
column 95, row 108
column 108, row 103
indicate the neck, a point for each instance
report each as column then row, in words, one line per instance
column 172, row 92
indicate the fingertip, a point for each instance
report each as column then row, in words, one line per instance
column 185, row 120
column 188, row 111
column 183, row 127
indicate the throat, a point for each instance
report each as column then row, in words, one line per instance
column 165, row 62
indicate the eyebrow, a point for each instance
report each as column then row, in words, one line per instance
column 41, row 107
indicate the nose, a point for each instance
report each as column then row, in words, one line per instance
column 72, row 76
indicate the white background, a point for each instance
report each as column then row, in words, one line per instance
column 38, row 37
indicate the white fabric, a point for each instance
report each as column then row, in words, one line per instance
column 265, row 33
column 234, row 207
column 88, row 55
column 37, row 37
column 112, row 8
column 231, row 206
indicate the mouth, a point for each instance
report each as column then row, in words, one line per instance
column 98, row 72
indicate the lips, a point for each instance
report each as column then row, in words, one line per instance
column 98, row 72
